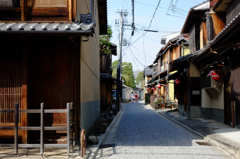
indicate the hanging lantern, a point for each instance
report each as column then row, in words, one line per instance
column 147, row 88
column 215, row 76
column 178, row 82
column 159, row 85
column 154, row 89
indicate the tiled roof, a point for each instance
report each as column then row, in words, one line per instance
column 85, row 25
column 148, row 72
column 45, row 27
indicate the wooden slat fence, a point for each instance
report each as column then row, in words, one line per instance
column 42, row 128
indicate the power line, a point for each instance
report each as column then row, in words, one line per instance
column 175, row 16
column 149, row 4
column 176, row 3
column 135, row 57
column 169, row 6
column 150, row 38
column 135, row 61
column 141, row 51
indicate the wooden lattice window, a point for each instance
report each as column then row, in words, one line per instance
column 10, row 81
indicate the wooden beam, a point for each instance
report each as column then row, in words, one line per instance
column 70, row 10
column 50, row 11
column 74, row 12
column 24, row 91
column 23, row 10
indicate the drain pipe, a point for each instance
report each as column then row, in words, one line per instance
column 92, row 8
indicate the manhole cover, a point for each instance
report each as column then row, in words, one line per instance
column 203, row 129
column 108, row 145
column 204, row 143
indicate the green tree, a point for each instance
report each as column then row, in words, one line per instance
column 105, row 43
column 127, row 73
column 140, row 79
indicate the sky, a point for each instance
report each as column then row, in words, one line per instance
column 142, row 48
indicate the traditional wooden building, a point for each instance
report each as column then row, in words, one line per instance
column 49, row 52
column 106, row 79
column 226, row 46
column 173, row 49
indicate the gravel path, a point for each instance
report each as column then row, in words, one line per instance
column 142, row 133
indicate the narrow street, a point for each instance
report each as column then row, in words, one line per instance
column 142, row 133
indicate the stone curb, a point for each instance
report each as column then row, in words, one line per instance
column 230, row 150
column 94, row 150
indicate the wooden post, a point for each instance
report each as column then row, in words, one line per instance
column 72, row 125
column 83, row 143
column 68, row 128
column 42, row 130
column 23, row 10
column 24, row 98
column 70, row 10
column 16, row 129
column 233, row 123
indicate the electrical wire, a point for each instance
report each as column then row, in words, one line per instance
column 141, row 51
column 150, row 5
column 169, row 6
column 135, row 57
column 175, row 16
column 135, row 62
column 150, row 21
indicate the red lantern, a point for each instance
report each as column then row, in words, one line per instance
column 147, row 88
column 154, row 89
column 215, row 76
column 159, row 85
column 178, row 82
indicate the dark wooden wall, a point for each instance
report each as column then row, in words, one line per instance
column 235, row 78
column 105, row 93
column 54, row 79
column 192, row 42
column 35, row 69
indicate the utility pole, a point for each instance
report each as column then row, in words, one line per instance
column 119, row 69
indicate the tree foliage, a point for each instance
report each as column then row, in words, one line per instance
column 127, row 73
column 140, row 79
column 105, row 43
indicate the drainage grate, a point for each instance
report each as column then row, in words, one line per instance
column 204, row 143
column 108, row 145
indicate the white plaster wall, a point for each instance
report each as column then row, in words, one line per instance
column 171, row 90
column 213, row 97
column 194, row 72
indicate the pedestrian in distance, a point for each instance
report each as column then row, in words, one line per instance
column 136, row 97
column 131, row 96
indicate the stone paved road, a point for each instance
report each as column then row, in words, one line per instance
column 144, row 134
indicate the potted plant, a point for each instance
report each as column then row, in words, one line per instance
column 155, row 104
